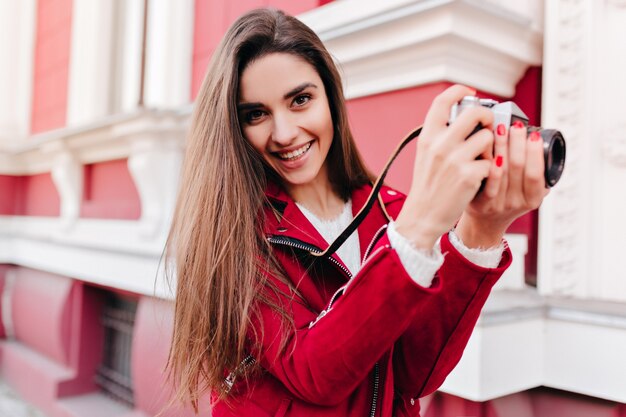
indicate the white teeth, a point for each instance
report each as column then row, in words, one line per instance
column 296, row 153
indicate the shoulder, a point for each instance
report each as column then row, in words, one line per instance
column 392, row 198
column 391, row 195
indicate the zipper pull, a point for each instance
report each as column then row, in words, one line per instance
column 322, row 314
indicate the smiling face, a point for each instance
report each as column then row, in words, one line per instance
column 284, row 114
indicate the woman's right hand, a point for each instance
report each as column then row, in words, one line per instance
column 447, row 174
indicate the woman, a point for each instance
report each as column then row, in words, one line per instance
column 271, row 177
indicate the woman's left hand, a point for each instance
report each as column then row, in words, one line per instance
column 514, row 187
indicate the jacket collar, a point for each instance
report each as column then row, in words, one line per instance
column 287, row 220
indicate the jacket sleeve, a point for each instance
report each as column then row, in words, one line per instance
column 323, row 364
column 433, row 343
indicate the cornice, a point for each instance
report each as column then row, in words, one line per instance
column 113, row 137
column 384, row 46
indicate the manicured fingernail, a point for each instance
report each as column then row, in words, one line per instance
column 518, row 124
column 535, row 136
column 501, row 130
column 499, row 161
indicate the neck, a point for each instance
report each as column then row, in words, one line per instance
column 318, row 197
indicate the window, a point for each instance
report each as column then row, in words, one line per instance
column 114, row 374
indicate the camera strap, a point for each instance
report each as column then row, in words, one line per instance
column 358, row 219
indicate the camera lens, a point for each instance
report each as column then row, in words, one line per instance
column 553, row 155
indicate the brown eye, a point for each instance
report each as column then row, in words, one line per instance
column 302, row 99
column 253, row 116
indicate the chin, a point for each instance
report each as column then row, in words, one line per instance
column 299, row 180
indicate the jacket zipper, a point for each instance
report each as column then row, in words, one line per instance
column 309, row 248
column 232, row 376
column 375, row 394
column 312, row 248
column 373, row 241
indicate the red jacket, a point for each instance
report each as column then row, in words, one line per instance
column 384, row 343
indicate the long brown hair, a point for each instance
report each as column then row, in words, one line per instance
column 216, row 243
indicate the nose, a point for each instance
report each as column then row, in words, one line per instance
column 285, row 129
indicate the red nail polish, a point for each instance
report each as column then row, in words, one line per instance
column 518, row 124
column 535, row 136
column 501, row 130
column 499, row 161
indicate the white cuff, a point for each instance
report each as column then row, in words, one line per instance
column 487, row 258
column 421, row 265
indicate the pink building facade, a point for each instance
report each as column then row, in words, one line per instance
column 96, row 102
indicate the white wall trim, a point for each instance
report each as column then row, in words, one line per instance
column 582, row 229
column 109, row 138
column 112, row 253
column 91, row 61
column 128, row 44
column 523, row 341
column 115, row 253
column 151, row 141
column 383, row 46
column 17, row 51
column 169, row 53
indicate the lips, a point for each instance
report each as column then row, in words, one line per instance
column 294, row 154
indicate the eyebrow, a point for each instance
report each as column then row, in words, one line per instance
column 293, row 92
column 297, row 90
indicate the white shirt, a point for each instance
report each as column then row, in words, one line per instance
column 421, row 265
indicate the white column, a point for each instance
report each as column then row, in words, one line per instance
column 169, row 53
column 582, row 231
column 17, row 46
column 91, row 62
column 129, row 28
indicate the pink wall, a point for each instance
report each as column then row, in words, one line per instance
column 151, row 340
column 30, row 195
column 41, row 311
column 3, row 271
column 538, row 402
column 212, row 19
column 528, row 97
column 52, row 52
column 8, row 190
column 58, row 337
column 110, row 192
column 36, row 195
column 380, row 121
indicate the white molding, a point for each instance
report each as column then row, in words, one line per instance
column 6, row 304
column 67, row 174
column 111, row 253
column 151, row 141
column 169, row 52
column 154, row 167
column 581, row 222
column 523, row 341
column 109, row 138
column 514, row 277
column 384, row 46
column 91, row 57
column 128, row 44
column 17, row 50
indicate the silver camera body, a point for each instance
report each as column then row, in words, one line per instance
column 507, row 113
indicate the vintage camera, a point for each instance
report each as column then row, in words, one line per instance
column 507, row 113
